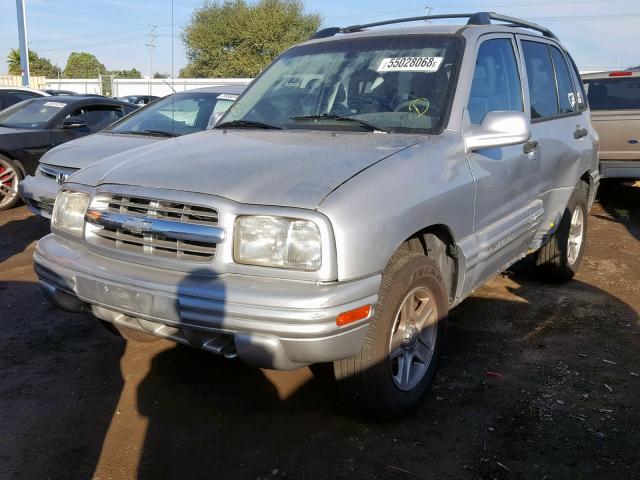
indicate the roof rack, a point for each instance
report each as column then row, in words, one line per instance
column 478, row 18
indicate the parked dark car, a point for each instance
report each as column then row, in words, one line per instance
column 175, row 115
column 30, row 128
column 139, row 99
column 12, row 95
column 54, row 92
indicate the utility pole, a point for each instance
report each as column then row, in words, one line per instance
column 22, row 37
column 152, row 44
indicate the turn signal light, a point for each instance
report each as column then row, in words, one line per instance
column 353, row 315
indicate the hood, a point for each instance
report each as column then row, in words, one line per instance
column 84, row 151
column 289, row 168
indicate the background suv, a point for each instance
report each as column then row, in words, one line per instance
column 614, row 99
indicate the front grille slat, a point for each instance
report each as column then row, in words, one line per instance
column 170, row 210
column 153, row 245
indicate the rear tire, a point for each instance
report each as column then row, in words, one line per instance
column 10, row 177
column 559, row 259
column 398, row 361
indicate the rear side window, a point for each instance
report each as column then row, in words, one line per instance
column 496, row 81
column 566, row 94
column 581, row 96
column 541, row 80
column 614, row 93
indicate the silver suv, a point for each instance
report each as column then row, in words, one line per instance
column 365, row 184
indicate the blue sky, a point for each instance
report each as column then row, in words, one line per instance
column 601, row 34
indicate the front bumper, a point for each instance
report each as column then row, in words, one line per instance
column 39, row 193
column 620, row 169
column 269, row 323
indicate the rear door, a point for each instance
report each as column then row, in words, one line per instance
column 558, row 127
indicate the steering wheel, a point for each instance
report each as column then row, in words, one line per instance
column 419, row 106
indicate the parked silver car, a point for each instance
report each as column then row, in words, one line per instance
column 366, row 183
column 175, row 115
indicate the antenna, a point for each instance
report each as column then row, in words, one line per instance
column 152, row 44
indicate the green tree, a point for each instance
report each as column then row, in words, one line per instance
column 235, row 38
column 133, row 73
column 160, row 75
column 83, row 65
column 38, row 66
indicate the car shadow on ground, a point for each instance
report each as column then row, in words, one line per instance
column 18, row 234
column 621, row 201
column 88, row 403
column 60, row 383
column 206, row 414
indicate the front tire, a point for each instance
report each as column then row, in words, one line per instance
column 10, row 176
column 559, row 259
column 398, row 361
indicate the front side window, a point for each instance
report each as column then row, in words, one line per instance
column 541, row 80
column 391, row 83
column 496, row 81
column 98, row 116
column 31, row 113
column 614, row 93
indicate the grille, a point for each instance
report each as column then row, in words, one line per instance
column 155, row 245
column 53, row 172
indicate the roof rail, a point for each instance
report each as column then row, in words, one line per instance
column 478, row 18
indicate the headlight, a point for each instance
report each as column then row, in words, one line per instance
column 68, row 211
column 277, row 242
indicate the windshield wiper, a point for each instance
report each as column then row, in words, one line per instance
column 246, row 124
column 159, row 133
column 341, row 118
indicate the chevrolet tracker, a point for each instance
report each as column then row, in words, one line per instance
column 362, row 186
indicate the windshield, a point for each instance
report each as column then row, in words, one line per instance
column 177, row 114
column 613, row 93
column 390, row 83
column 32, row 114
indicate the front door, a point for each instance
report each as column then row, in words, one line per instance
column 507, row 179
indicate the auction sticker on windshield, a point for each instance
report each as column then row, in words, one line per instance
column 55, row 104
column 410, row 64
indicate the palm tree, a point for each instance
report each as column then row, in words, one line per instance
column 13, row 59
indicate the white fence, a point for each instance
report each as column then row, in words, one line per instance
column 16, row 81
column 90, row 86
column 161, row 87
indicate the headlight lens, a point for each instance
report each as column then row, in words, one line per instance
column 69, row 210
column 277, row 242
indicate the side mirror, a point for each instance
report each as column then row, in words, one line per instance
column 74, row 122
column 498, row 129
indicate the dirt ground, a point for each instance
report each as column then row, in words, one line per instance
column 539, row 381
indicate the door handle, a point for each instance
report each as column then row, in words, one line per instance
column 580, row 133
column 530, row 147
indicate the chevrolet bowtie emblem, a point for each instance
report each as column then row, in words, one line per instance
column 137, row 225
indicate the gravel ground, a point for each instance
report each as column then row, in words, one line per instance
column 539, row 381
